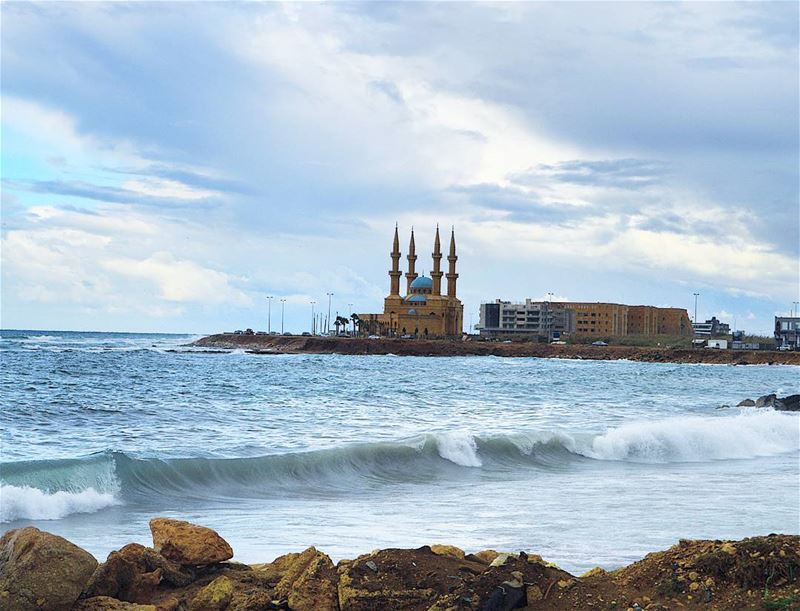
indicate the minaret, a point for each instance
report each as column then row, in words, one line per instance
column 436, row 274
column 395, row 272
column 412, row 260
column 451, row 272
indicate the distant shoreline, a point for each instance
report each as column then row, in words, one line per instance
column 298, row 344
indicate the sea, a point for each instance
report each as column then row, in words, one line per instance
column 584, row 462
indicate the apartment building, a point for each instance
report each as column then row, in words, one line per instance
column 551, row 319
column 503, row 319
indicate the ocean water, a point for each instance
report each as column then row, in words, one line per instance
column 583, row 462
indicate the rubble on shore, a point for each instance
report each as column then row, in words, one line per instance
column 189, row 569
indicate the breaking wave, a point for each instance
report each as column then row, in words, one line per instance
column 25, row 502
column 53, row 489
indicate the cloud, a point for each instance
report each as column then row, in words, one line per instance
column 181, row 281
column 146, row 192
column 640, row 150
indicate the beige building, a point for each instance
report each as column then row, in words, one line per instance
column 601, row 319
column 581, row 318
column 423, row 311
column 650, row 320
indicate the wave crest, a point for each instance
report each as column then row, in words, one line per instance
column 27, row 503
column 694, row 439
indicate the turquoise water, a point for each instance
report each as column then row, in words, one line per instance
column 583, row 462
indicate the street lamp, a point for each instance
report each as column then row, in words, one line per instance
column 328, row 321
column 312, row 318
column 696, row 295
column 269, row 313
column 283, row 304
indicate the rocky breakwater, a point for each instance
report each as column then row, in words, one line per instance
column 189, row 568
column 267, row 345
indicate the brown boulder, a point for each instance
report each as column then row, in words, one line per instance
column 309, row 582
column 41, row 571
column 188, row 544
column 133, row 573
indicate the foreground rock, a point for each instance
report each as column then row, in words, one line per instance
column 188, row 544
column 41, row 571
column 134, row 573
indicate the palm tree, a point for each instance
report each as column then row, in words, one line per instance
column 356, row 324
column 341, row 321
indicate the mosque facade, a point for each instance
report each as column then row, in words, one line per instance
column 423, row 311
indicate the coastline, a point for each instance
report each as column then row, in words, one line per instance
column 297, row 344
column 190, row 567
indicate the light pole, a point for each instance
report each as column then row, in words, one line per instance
column 696, row 295
column 283, row 305
column 269, row 313
column 549, row 318
column 312, row 318
column 328, row 321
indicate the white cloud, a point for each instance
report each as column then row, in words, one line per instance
column 182, row 281
column 161, row 187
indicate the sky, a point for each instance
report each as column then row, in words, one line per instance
column 166, row 167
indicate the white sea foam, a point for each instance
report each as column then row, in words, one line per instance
column 26, row 503
column 458, row 447
column 691, row 439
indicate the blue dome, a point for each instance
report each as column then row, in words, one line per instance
column 412, row 311
column 416, row 298
column 422, row 282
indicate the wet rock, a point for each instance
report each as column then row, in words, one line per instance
column 746, row 403
column 766, row 401
column 309, row 583
column 788, row 404
column 41, row 571
column 133, row 573
column 106, row 603
column 448, row 550
column 216, row 596
column 188, row 544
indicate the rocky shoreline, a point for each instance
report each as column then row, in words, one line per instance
column 261, row 344
column 189, row 568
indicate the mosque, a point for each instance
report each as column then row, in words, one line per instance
column 423, row 312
